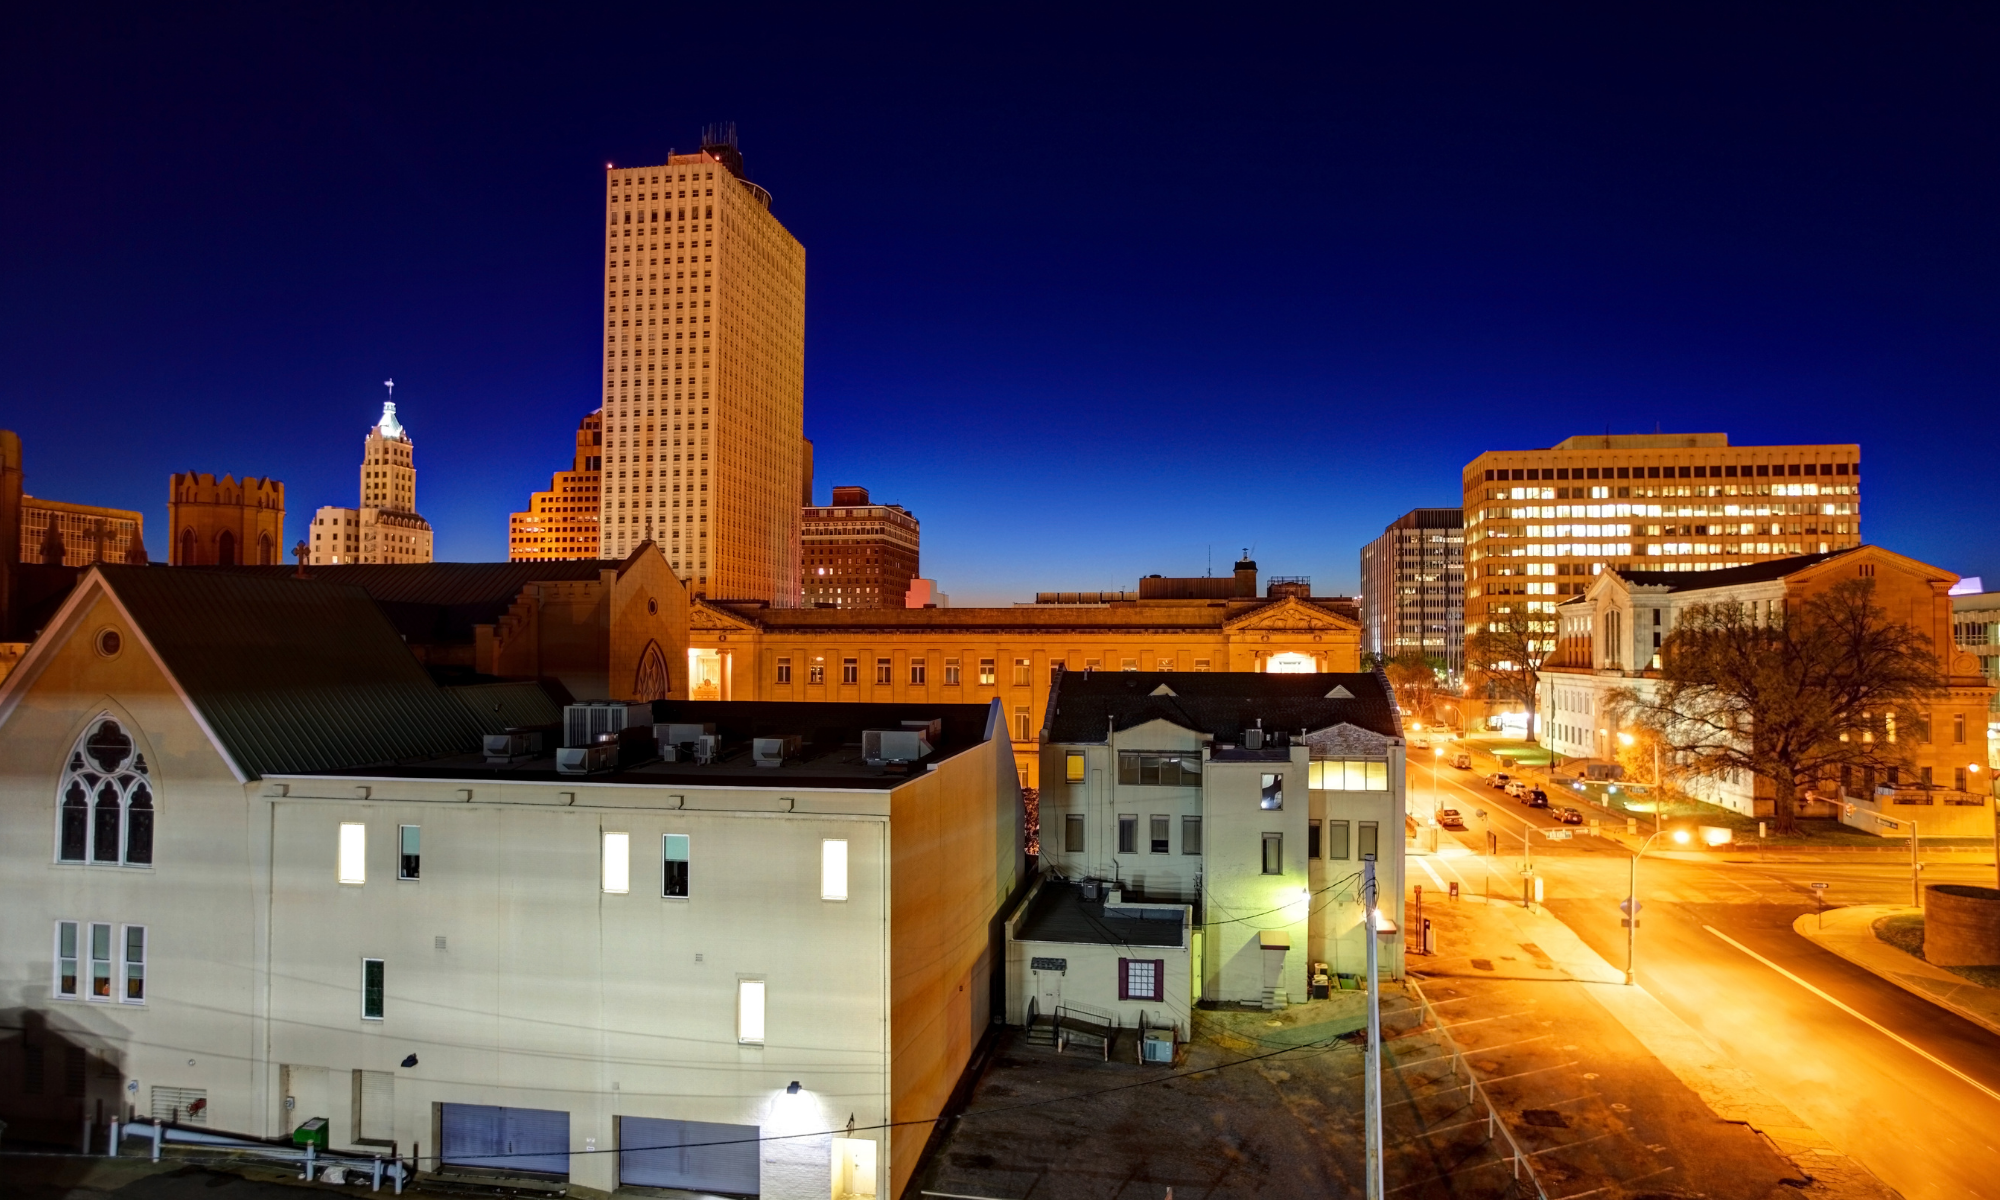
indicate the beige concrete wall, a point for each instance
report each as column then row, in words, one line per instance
column 1242, row 901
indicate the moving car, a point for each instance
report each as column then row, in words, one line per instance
column 1535, row 798
column 1462, row 761
column 1449, row 818
column 1569, row 816
column 1497, row 779
column 1515, row 787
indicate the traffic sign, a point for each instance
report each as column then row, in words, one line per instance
column 1628, row 907
column 1556, row 835
column 1819, row 887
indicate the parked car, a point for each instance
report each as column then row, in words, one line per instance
column 1515, row 788
column 1462, row 761
column 1497, row 779
column 1449, row 818
column 1569, row 816
column 1535, row 798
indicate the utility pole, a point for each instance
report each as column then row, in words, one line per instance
column 1372, row 1068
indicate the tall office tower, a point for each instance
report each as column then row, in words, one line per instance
column 562, row 522
column 224, row 522
column 386, row 527
column 858, row 554
column 704, row 374
column 1413, row 588
column 1539, row 523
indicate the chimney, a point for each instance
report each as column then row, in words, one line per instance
column 1246, row 577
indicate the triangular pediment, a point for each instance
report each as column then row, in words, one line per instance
column 1290, row 615
column 1340, row 692
column 1163, row 690
column 704, row 616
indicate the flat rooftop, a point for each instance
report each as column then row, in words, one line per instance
column 1059, row 913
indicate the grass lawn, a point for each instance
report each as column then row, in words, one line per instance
column 1906, row 933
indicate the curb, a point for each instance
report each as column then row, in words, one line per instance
column 1989, row 1022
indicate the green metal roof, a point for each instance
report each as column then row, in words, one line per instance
column 294, row 675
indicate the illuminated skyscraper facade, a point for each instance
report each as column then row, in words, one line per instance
column 561, row 523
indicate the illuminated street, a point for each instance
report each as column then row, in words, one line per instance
column 1856, row 1085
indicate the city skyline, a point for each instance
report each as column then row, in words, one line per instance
column 953, row 302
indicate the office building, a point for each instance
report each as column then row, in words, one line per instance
column 386, row 527
column 718, row 977
column 704, row 375
column 224, row 522
column 858, row 554
column 561, row 523
column 746, row 651
column 76, row 535
column 1250, row 798
column 1413, row 588
column 1975, row 624
column 1540, row 523
column 1610, row 639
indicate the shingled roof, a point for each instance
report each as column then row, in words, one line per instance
column 292, row 675
column 1220, row 703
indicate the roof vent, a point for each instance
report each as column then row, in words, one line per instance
column 773, row 751
column 1163, row 690
column 1340, row 692
column 880, row 746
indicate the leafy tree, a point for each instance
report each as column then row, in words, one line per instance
column 1503, row 659
column 1831, row 684
column 1415, row 678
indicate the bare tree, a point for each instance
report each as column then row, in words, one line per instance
column 1503, row 659
column 1835, row 684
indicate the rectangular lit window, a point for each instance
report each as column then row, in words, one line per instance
column 617, row 863
column 951, row 672
column 1073, row 833
column 1128, row 833
column 135, row 964
column 917, row 672
column 1128, row 664
column 674, row 852
column 1201, row 664
column 371, row 989
column 1190, row 835
column 409, row 851
column 750, row 1011
column 1274, row 854
column 816, row 671
column 1159, row 828
column 1370, row 832
column 1336, row 839
column 66, row 959
column 784, row 670
column 1021, row 733
column 833, row 869
column 1271, row 792
column 1073, row 767
column 100, row 962
column 353, row 852
column 1022, row 670
column 985, row 672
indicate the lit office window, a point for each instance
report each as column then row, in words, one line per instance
column 353, row 852
column 833, row 869
column 750, row 1011
column 618, row 863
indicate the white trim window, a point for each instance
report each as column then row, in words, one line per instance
column 100, row 961
column 135, row 965
column 373, row 989
column 409, row 852
column 675, row 867
column 104, row 803
column 833, row 869
column 750, row 1012
column 68, row 979
column 617, row 863
column 352, row 868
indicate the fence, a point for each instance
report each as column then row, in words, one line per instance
column 1476, row 1094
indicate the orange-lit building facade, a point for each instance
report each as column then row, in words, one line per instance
column 561, row 523
column 225, row 522
column 704, row 375
column 858, row 554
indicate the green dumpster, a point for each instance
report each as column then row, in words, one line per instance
column 312, row 1133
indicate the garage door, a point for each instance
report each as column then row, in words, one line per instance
column 696, row 1155
column 506, row 1139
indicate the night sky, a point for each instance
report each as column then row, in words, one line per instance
column 1094, row 297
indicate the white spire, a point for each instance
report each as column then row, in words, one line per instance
column 389, row 425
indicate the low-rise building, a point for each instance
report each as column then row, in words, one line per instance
column 1611, row 637
column 225, row 522
column 264, row 872
column 1252, row 797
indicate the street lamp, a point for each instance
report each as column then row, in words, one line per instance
column 1680, row 836
column 1380, row 926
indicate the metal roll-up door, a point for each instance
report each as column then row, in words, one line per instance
column 698, row 1156
column 534, row 1140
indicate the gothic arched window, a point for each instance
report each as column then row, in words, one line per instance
column 187, row 548
column 651, row 681
column 105, row 800
column 225, row 549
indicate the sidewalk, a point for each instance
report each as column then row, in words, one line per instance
column 1850, row 933
column 1497, row 931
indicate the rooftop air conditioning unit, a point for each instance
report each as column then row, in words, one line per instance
column 880, row 746
column 773, row 751
column 582, row 723
column 506, row 747
column 682, row 731
column 1157, row 1046
column 593, row 759
column 933, row 729
column 702, row 749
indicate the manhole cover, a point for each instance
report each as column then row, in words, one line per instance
column 1547, row 1118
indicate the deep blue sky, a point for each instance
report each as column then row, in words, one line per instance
column 1090, row 294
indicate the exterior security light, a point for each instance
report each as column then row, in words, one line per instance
column 1681, row 836
column 409, row 1060
column 1624, row 739
column 792, row 1088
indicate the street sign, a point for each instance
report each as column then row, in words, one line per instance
column 1557, row 835
column 1628, row 907
column 1627, row 923
column 1819, row 887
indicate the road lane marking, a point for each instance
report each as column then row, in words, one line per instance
column 1436, row 878
column 1871, row 1023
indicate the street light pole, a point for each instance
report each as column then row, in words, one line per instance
column 1632, row 908
column 1372, row 1068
